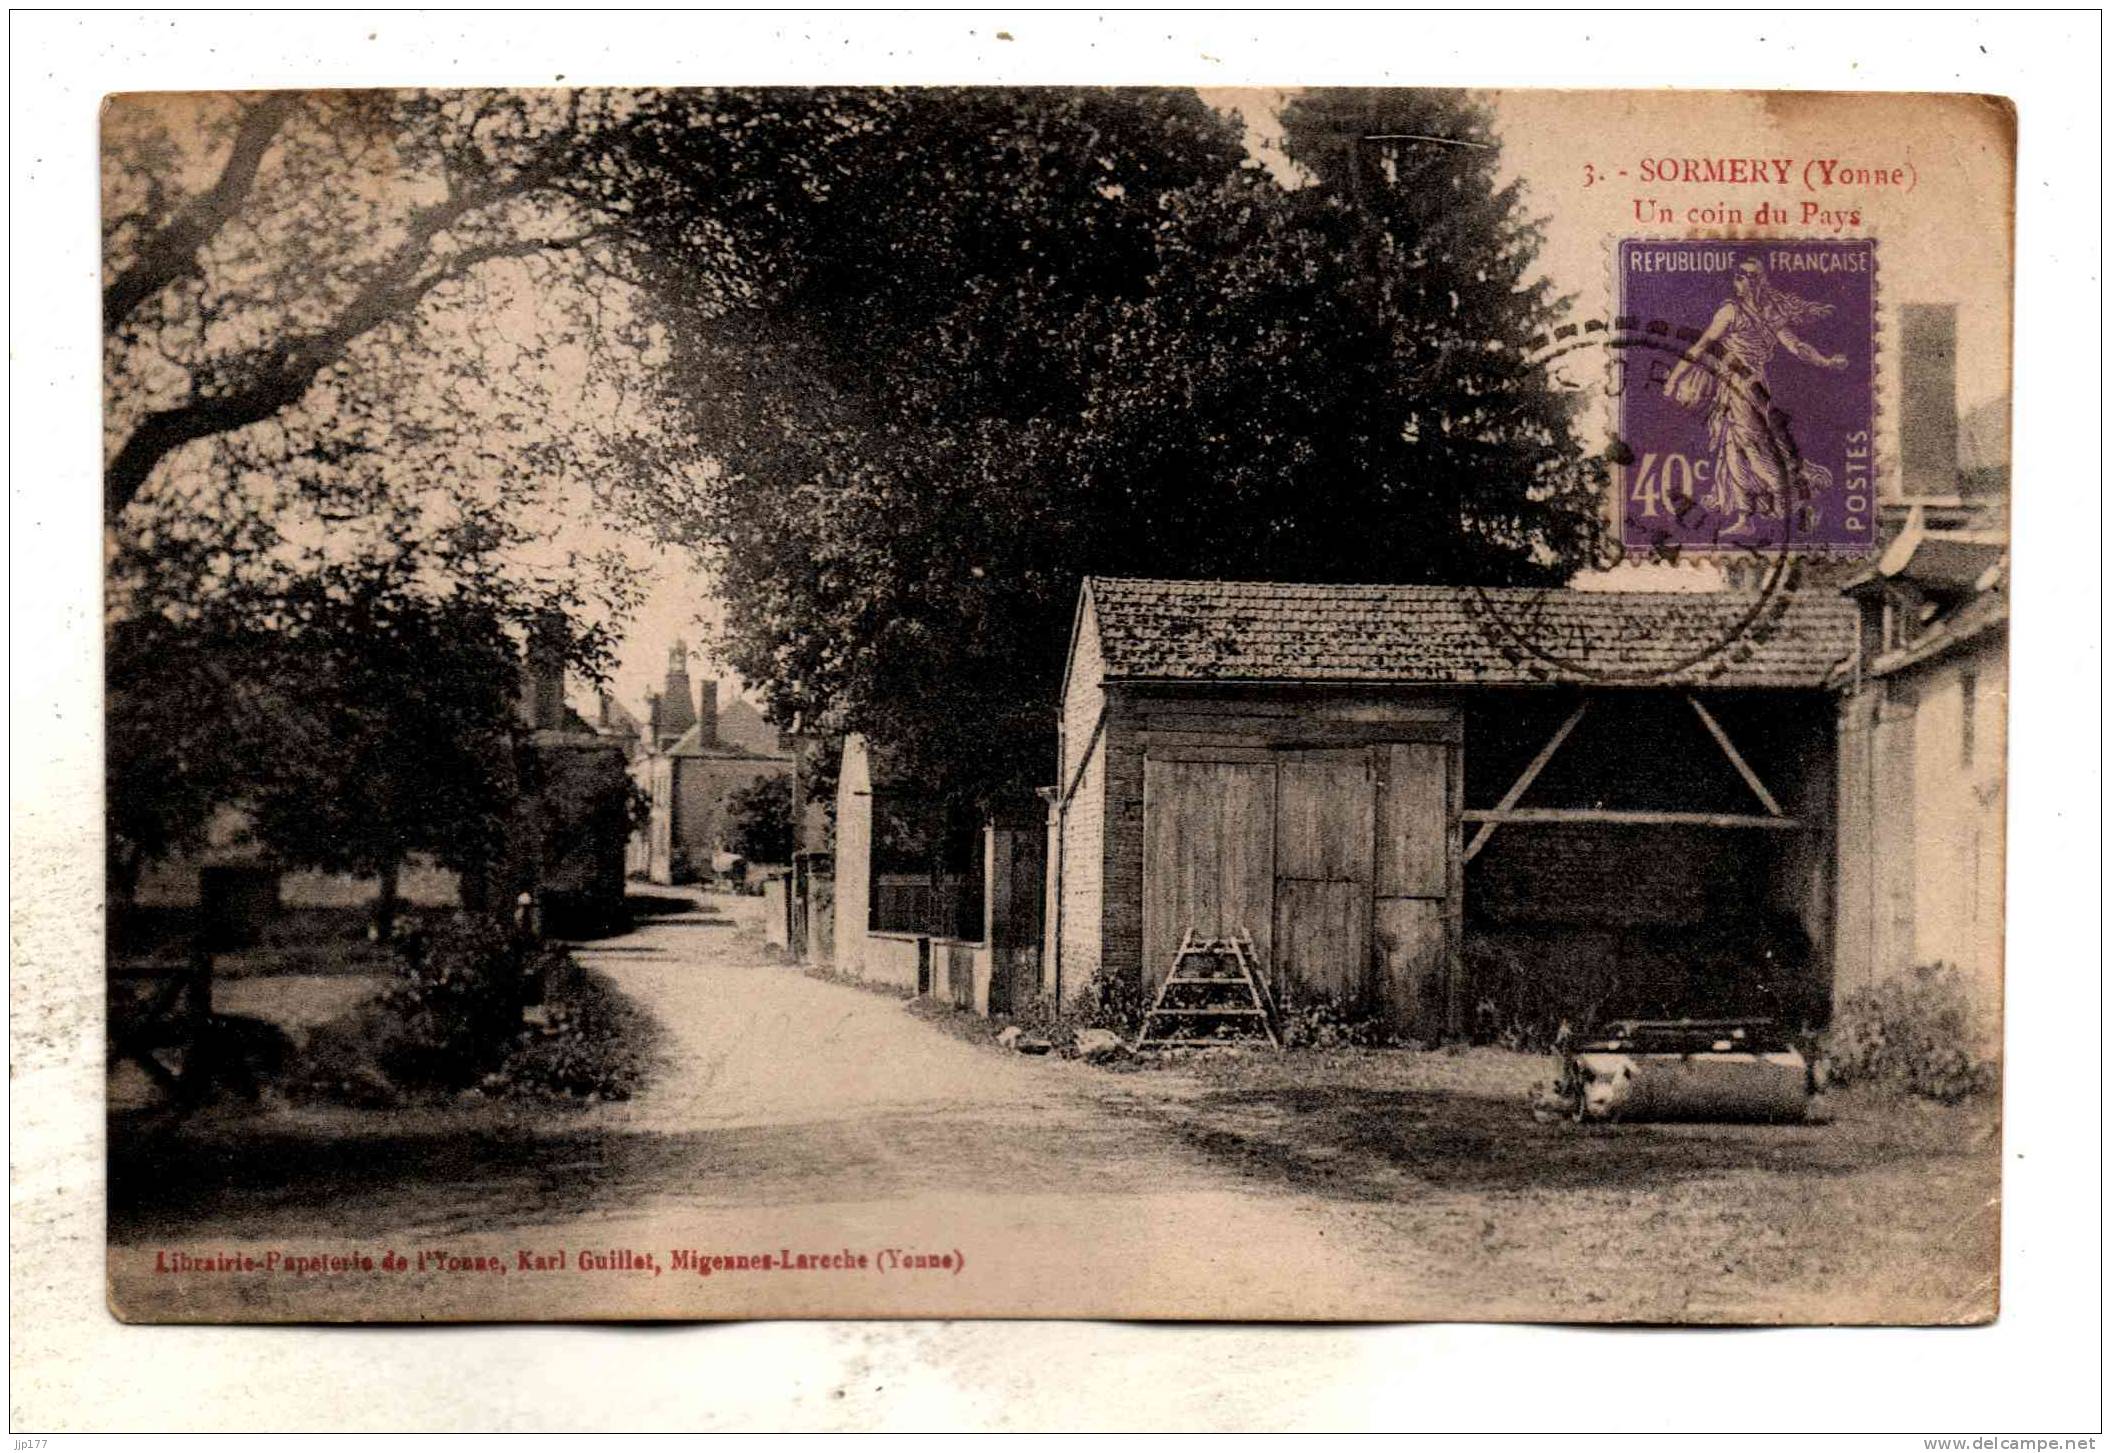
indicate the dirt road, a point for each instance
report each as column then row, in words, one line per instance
column 793, row 1115
column 809, row 1148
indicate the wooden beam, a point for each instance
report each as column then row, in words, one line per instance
column 1744, row 768
column 1525, row 779
column 1528, row 815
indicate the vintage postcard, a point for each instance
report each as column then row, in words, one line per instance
column 1296, row 704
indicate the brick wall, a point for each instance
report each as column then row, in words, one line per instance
column 1084, row 696
column 1084, row 874
column 1643, row 921
column 1081, row 785
column 1121, row 917
column 1614, row 877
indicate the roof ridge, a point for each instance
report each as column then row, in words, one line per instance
column 1414, row 633
column 1446, row 588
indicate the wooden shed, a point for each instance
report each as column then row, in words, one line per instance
column 1326, row 767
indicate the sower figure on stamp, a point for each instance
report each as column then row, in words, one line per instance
column 1751, row 467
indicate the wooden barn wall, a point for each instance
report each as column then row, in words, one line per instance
column 1226, row 722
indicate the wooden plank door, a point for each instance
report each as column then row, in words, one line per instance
column 1324, row 807
column 1208, row 826
column 1411, row 916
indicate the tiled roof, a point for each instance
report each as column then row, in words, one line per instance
column 1215, row 630
column 741, row 725
column 691, row 743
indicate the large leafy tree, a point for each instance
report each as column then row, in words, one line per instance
column 931, row 357
column 358, row 349
column 354, row 694
column 985, row 343
column 411, row 744
column 285, row 274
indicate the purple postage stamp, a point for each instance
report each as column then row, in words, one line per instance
column 1747, row 403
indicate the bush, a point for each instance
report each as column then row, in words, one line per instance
column 593, row 1043
column 759, row 820
column 455, row 1006
column 1914, row 1032
column 453, row 1021
column 1525, row 987
column 1113, row 1000
column 1320, row 1020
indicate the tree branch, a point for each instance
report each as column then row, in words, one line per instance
column 173, row 251
column 275, row 380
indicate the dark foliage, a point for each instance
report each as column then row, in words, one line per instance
column 455, row 1006
column 452, row 1021
column 981, row 344
column 593, row 1043
column 1523, row 985
column 759, row 820
column 1914, row 1032
column 1324, row 1021
column 939, row 355
column 353, row 719
column 1114, row 1000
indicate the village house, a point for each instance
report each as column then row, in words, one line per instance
column 695, row 752
column 1615, row 800
column 1924, row 703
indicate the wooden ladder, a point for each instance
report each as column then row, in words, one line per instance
column 1200, row 967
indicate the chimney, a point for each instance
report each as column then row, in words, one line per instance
column 677, row 706
column 1927, row 441
column 707, row 710
column 542, row 677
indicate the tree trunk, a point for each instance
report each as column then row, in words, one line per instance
column 387, row 901
column 473, row 890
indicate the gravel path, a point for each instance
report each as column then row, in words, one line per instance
column 794, row 1117
column 790, row 1114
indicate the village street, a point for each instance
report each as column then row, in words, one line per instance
column 794, row 1114
column 790, row 1113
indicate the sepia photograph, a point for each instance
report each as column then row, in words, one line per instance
column 1040, row 701
column 1053, row 702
